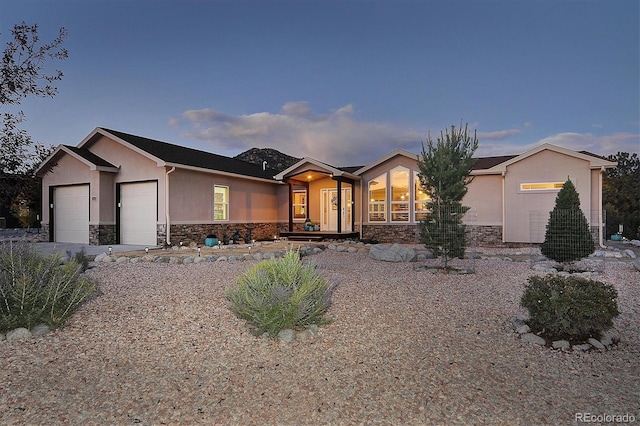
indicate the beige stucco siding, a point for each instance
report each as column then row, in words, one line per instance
column 191, row 197
column 484, row 196
column 545, row 166
column 69, row 171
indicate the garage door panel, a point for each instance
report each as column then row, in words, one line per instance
column 71, row 214
column 138, row 213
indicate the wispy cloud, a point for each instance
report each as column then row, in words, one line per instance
column 336, row 137
column 340, row 138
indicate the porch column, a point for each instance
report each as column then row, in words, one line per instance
column 339, row 205
column 290, row 205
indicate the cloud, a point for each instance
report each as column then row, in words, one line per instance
column 337, row 138
column 341, row 139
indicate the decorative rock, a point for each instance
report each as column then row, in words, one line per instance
column 40, row 329
column 135, row 260
column 148, row 258
column 174, row 260
column 187, row 260
column 2, row 337
column 162, row 260
column 287, row 335
column 108, row 259
column 517, row 322
column 561, row 344
column 313, row 329
column 583, row 347
column 636, row 264
column 122, row 259
column 303, row 335
column 341, row 248
column 533, row 338
column 393, row 253
column 332, row 247
column 221, row 259
column 352, row 250
column 523, row 329
column 18, row 334
column 99, row 257
column 257, row 256
column 606, row 340
column 595, row 343
column 630, row 253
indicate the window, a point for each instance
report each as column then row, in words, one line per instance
column 378, row 199
column 541, row 186
column 421, row 198
column 400, row 197
column 220, row 202
column 300, row 204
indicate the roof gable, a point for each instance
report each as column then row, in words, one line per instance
column 309, row 163
column 91, row 160
column 167, row 154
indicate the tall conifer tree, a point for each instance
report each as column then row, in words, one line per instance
column 444, row 176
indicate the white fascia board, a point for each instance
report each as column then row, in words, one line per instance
column 218, row 172
column 386, row 158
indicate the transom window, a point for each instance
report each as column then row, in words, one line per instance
column 541, row 186
column 220, row 202
column 378, row 199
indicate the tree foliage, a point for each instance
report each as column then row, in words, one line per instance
column 24, row 75
column 567, row 237
column 444, row 175
column 621, row 194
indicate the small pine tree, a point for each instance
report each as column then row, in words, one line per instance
column 444, row 176
column 567, row 237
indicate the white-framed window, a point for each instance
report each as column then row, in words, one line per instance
column 299, row 204
column 220, row 202
column 378, row 199
column 400, row 196
column 541, row 186
column 420, row 199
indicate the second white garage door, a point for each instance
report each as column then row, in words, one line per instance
column 138, row 213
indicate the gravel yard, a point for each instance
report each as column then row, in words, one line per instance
column 406, row 347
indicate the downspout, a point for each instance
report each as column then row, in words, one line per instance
column 504, row 211
column 600, row 217
column 166, row 205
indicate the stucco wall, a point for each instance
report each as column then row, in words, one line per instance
column 545, row 166
column 191, row 198
column 69, row 171
column 485, row 197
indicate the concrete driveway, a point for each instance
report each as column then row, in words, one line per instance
column 63, row 249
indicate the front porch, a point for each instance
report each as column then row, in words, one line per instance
column 318, row 235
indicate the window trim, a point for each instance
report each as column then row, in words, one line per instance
column 376, row 207
column 404, row 206
column 225, row 203
column 303, row 205
column 415, row 201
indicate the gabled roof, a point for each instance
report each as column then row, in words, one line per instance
column 595, row 161
column 317, row 166
column 483, row 163
column 83, row 155
column 167, row 154
column 385, row 158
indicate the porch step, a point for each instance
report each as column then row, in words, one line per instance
column 305, row 238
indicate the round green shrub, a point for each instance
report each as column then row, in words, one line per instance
column 572, row 308
column 279, row 294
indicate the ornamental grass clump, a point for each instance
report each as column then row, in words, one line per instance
column 571, row 308
column 279, row 294
column 39, row 290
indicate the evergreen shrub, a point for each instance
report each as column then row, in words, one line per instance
column 279, row 294
column 36, row 289
column 571, row 308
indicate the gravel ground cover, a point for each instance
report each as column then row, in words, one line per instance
column 160, row 346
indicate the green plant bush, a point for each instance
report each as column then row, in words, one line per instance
column 36, row 289
column 279, row 294
column 572, row 308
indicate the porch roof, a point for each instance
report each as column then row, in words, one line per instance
column 309, row 169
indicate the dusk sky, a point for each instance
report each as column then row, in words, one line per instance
column 344, row 82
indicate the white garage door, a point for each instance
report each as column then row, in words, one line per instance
column 71, row 214
column 138, row 213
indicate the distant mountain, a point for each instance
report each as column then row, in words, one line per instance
column 274, row 158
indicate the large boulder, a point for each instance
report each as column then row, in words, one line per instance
column 636, row 264
column 392, row 253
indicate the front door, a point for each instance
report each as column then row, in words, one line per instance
column 329, row 210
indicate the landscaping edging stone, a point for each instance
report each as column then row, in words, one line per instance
column 606, row 342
